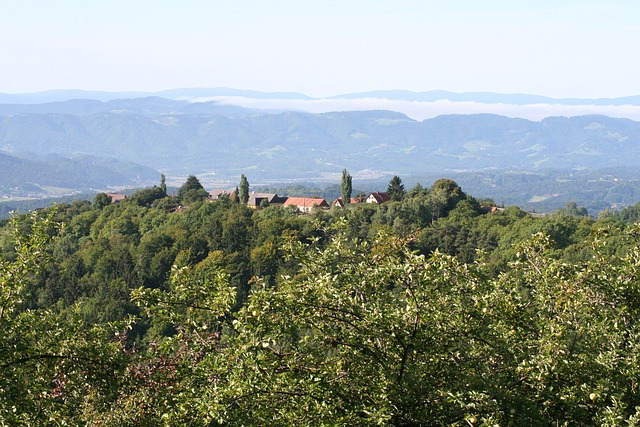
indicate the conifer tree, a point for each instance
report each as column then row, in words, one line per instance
column 243, row 189
column 163, row 184
column 395, row 189
column 346, row 187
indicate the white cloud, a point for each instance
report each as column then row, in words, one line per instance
column 418, row 110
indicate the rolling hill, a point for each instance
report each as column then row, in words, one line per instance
column 180, row 137
column 52, row 174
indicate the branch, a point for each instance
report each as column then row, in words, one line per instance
column 39, row 357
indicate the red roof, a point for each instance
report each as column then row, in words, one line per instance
column 353, row 200
column 306, row 202
column 116, row 197
column 380, row 197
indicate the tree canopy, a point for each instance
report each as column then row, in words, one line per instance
column 425, row 311
column 192, row 190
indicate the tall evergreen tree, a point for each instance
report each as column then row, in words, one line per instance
column 395, row 189
column 243, row 189
column 163, row 184
column 346, row 187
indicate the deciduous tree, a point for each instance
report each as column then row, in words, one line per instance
column 52, row 367
column 192, row 190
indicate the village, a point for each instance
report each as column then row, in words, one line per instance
column 256, row 200
column 303, row 204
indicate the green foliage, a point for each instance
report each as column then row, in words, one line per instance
column 424, row 311
column 629, row 214
column 346, row 187
column 49, row 364
column 572, row 209
column 192, row 191
column 444, row 196
column 333, row 349
column 163, row 184
column 101, row 200
column 148, row 196
column 371, row 333
column 395, row 189
column 243, row 190
column 573, row 331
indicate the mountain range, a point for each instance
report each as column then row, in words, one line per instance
column 403, row 95
column 177, row 136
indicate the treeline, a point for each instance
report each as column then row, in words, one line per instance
column 434, row 308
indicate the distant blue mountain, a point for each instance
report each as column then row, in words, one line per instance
column 66, row 95
column 402, row 95
column 177, row 136
column 486, row 98
column 211, row 92
column 151, row 105
column 101, row 143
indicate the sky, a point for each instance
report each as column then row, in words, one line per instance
column 559, row 48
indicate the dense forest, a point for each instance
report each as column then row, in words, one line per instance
column 434, row 308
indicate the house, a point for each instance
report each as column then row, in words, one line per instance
column 218, row 193
column 115, row 197
column 490, row 209
column 257, row 199
column 306, row 204
column 378, row 198
column 338, row 202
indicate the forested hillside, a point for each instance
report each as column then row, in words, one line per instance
column 206, row 137
column 435, row 308
column 38, row 175
column 534, row 164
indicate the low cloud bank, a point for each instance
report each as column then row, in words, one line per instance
column 418, row 110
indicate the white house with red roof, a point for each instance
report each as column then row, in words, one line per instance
column 306, row 204
column 378, row 198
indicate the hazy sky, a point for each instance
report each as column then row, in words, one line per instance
column 559, row 48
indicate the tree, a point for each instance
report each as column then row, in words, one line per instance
column 146, row 196
column 346, row 187
column 389, row 337
column 192, row 190
column 52, row 366
column 318, row 320
column 192, row 183
column 163, row 184
column 443, row 197
column 243, row 190
column 395, row 189
column 571, row 208
column 101, row 200
column 417, row 191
